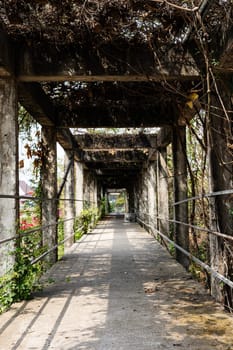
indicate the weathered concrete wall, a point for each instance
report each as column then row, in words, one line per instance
column 49, row 190
column 69, row 204
column 8, row 170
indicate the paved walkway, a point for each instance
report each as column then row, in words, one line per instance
column 117, row 289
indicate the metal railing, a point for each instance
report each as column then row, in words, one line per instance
column 205, row 266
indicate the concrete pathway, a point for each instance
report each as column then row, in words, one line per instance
column 117, row 289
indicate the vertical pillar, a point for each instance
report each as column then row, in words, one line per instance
column 152, row 195
column 221, row 169
column 130, row 200
column 163, row 197
column 136, row 195
column 69, row 204
column 8, row 170
column 86, row 189
column 90, row 189
column 49, row 191
column 78, row 168
column 106, row 203
column 94, row 192
column 180, row 193
column 145, row 204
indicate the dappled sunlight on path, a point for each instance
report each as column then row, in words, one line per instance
column 117, row 289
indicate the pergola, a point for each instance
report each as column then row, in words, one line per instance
column 117, row 64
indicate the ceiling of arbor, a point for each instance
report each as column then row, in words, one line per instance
column 111, row 58
column 115, row 63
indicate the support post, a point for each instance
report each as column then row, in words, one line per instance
column 152, row 194
column 180, row 193
column 49, row 191
column 145, row 195
column 90, row 189
column 78, row 175
column 220, row 170
column 130, row 201
column 163, row 197
column 69, row 204
column 106, row 204
column 9, row 207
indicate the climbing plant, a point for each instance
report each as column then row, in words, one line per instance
column 19, row 283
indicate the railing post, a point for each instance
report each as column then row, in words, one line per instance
column 180, row 192
column 9, row 207
column 49, row 191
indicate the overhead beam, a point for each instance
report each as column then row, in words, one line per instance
column 115, row 182
column 114, row 166
column 117, row 172
column 133, row 115
column 113, row 156
column 122, row 141
column 125, row 63
column 105, row 77
column 37, row 103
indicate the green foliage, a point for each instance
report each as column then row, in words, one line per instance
column 26, row 124
column 102, row 207
column 29, row 133
column 60, row 229
column 19, row 283
column 120, row 201
column 202, row 252
column 7, row 291
column 87, row 219
column 198, row 273
column 172, row 249
column 117, row 203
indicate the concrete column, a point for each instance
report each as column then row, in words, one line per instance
column 69, row 204
column 180, row 193
column 152, row 195
column 163, row 198
column 141, row 195
column 78, row 169
column 86, row 189
column 220, row 170
column 106, row 203
column 8, row 170
column 144, row 197
column 94, row 192
column 130, row 194
column 136, row 195
column 49, row 191
column 90, row 189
